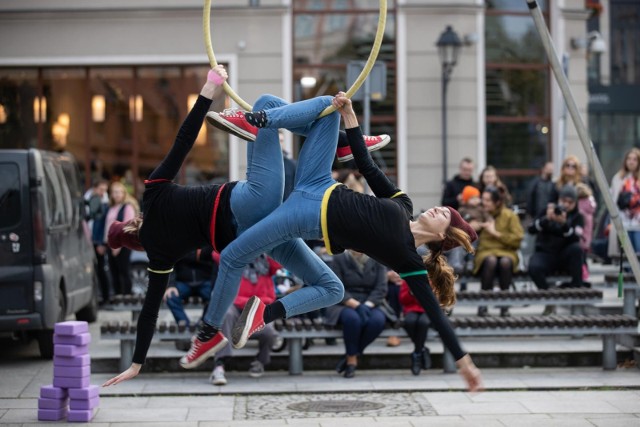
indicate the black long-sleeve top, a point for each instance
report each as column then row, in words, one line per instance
column 379, row 227
column 177, row 220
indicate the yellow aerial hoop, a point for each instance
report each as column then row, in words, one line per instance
column 382, row 21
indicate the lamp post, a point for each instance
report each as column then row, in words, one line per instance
column 448, row 48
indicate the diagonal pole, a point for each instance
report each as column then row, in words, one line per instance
column 587, row 144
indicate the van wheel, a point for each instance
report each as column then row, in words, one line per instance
column 89, row 313
column 45, row 337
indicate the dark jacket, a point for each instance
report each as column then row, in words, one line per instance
column 538, row 196
column 451, row 190
column 196, row 267
column 552, row 236
column 370, row 284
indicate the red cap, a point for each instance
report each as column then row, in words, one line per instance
column 117, row 237
column 458, row 222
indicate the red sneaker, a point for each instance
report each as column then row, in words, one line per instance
column 373, row 143
column 250, row 321
column 202, row 350
column 233, row 121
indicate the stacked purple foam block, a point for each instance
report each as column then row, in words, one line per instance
column 71, row 395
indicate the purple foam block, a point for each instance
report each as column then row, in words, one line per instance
column 79, row 415
column 80, row 360
column 71, row 382
column 70, row 350
column 84, row 393
column 45, row 403
column 51, row 392
column 80, row 339
column 78, row 404
column 52, row 414
column 72, row 327
column 71, row 371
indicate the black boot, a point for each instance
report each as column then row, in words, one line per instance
column 426, row 358
column 350, row 371
column 483, row 311
column 342, row 365
column 416, row 363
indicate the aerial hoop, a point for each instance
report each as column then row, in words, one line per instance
column 382, row 21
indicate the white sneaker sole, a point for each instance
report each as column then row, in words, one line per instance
column 219, row 382
column 375, row 147
column 199, row 361
column 221, row 123
column 239, row 338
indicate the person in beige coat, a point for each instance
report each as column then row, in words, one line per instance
column 498, row 244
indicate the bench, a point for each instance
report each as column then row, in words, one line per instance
column 577, row 298
column 608, row 326
column 630, row 291
column 133, row 303
column 296, row 330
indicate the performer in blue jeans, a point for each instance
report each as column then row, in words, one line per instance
column 382, row 227
column 179, row 219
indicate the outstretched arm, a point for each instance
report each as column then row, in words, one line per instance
column 171, row 164
column 377, row 180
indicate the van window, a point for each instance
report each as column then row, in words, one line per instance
column 56, row 196
column 9, row 195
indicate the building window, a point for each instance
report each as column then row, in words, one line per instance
column 517, row 95
column 119, row 122
column 625, row 49
column 329, row 34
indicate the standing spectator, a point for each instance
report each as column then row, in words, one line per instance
column 416, row 323
column 558, row 232
column 98, row 205
column 489, row 177
column 123, row 208
column 540, row 191
column 570, row 173
column 257, row 279
column 587, row 207
column 498, row 244
column 192, row 275
column 627, row 179
column 453, row 188
column 365, row 286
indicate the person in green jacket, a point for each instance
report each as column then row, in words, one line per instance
column 498, row 244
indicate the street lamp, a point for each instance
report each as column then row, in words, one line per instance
column 448, row 48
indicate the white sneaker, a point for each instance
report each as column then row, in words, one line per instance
column 217, row 376
column 256, row 370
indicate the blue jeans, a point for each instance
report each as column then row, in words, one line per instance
column 634, row 237
column 203, row 290
column 280, row 234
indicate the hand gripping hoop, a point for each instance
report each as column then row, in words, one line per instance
column 382, row 20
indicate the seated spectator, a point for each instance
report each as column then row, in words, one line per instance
column 489, row 177
column 587, row 207
column 416, row 323
column 193, row 275
column 498, row 244
column 257, row 279
column 394, row 282
column 473, row 212
column 558, row 234
column 365, row 286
